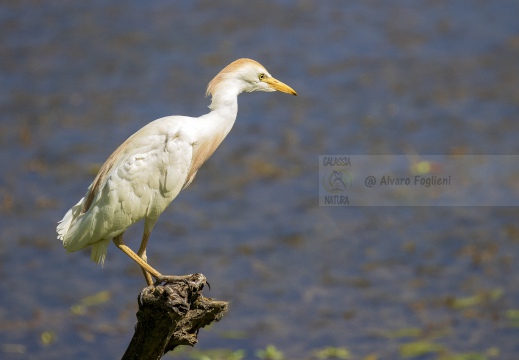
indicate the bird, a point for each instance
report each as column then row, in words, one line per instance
column 147, row 171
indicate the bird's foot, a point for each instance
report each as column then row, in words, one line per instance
column 162, row 279
column 197, row 280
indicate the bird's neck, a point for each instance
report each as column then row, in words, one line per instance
column 220, row 120
column 224, row 109
column 225, row 99
column 210, row 130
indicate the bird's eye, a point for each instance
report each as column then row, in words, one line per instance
column 261, row 77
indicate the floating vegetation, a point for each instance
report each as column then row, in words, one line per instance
column 411, row 350
column 270, row 353
column 89, row 301
column 466, row 356
column 481, row 298
column 512, row 316
column 47, row 337
column 217, row 354
column 332, row 353
column 419, row 348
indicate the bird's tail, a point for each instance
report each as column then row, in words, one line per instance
column 99, row 250
column 74, row 231
column 64, row 224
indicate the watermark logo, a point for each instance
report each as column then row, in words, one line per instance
column 418, row 180
column 336, row 180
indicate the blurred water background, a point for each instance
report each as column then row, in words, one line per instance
column 373, row 77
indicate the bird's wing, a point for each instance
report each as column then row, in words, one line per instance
column 149, row 179
column 137, row 181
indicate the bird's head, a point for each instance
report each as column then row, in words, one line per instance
column 246, row 75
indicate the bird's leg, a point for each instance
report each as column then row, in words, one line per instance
column 118, row 240
column 142, row 254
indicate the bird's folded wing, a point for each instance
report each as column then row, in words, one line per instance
column 139, row 184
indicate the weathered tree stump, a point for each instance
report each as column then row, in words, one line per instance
column 170, row 315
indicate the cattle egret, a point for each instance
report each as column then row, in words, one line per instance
column 144, row 174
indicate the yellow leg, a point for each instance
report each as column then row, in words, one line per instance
column 142, row 255
column 118, row 240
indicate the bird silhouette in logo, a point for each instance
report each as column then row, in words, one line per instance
column 336, row 182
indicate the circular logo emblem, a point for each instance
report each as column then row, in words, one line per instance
column 336, row 181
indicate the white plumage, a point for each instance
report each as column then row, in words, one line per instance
column 144, row 174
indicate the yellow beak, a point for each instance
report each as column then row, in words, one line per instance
column 278, row 85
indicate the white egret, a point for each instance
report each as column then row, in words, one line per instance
column 144, row 174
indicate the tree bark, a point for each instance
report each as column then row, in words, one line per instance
column 170, row 315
